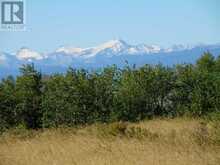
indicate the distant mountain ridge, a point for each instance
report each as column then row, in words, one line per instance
column 111, row 52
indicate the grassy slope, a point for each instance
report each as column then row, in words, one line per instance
column 156, row 142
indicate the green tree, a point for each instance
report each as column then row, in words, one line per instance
column 104, row 86
column 144, row 92
column 8, row 103
column 28, row 92
column 206, row 62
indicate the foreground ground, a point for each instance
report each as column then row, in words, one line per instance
column 156, row 142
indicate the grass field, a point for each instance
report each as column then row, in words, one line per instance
column 155, row 142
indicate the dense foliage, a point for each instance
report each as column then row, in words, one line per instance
column 111, row 94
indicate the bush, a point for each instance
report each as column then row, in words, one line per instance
column 82, row 97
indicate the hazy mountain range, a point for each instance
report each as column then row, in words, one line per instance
column 112, row 52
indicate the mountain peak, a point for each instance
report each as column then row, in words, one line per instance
column 116, row 42
column 113, row 45
column 28, row 54
column 70, row 50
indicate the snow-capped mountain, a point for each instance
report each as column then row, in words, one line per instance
column 111, row 52
column 110, row 48
column 29, row 55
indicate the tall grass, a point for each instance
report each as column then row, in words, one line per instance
column 155, row 142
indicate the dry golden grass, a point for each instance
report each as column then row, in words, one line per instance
column 156, row 142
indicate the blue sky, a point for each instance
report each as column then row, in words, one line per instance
column 84, row 23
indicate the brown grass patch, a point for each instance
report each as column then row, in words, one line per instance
column 156, row 142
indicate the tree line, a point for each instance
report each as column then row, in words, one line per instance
column 110, row 94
